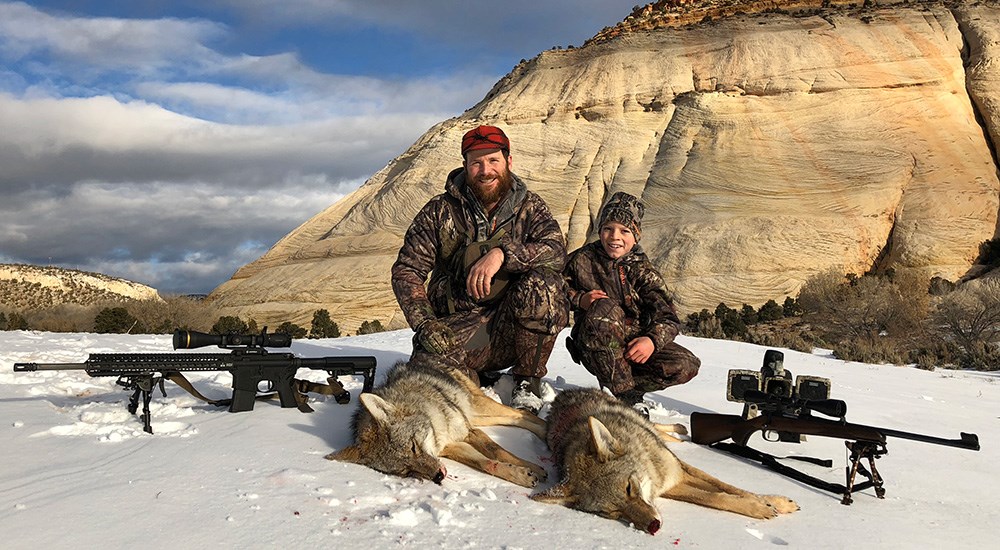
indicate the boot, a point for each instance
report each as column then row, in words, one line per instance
column 526, row 395
column 634, row 398
column 488, row 379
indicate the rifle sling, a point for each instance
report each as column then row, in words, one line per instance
column 301, row 387
column 771, row 462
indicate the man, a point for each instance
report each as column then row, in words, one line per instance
column 494, row 253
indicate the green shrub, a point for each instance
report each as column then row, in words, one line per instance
column 323, row 326
column 116, row 320
column 371, row 327
column 16, row 321
column 770, row 311
column 293, row 330
column 230, row 324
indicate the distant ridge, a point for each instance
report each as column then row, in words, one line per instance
column 31, row 287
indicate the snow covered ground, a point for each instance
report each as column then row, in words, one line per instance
column 79, row 472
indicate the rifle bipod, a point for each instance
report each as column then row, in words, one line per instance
column 859, row 450
column 142, row 386
column 863, row 449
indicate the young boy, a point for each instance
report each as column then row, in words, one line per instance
column 624, row 320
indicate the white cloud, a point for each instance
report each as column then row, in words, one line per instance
column 143, row 45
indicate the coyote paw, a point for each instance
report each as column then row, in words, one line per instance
column 781, row 505
column 526, row 477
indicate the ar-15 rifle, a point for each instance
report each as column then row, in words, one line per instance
column 773, row 405
column 254, row 370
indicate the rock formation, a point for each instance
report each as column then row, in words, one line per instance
column 769, row 140
column 29, row 287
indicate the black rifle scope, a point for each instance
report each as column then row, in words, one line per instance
column 189, row 339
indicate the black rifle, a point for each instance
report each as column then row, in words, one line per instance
column 790, row 417
column 254, row 370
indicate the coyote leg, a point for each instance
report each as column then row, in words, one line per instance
column 699, row 487
column 485, row 444
column 666, row 432
column 465, row 453
column 487, row 412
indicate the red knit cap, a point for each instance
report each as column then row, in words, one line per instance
column 484, row 137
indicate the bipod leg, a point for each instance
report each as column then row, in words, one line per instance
column 874, row 476
column 133, row 402
column 145, row 386
column 852, row 471
column 859, row 450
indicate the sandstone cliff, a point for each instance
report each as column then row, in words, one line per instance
column 29, row 287
column 769, row 140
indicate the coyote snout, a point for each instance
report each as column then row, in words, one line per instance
column 614, row 463
column 425, row 412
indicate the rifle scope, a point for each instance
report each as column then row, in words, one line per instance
column 835, row 408
column 189, row 339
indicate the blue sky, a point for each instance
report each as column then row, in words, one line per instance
column 172, row 142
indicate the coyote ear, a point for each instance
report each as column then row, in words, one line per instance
column 558, row 494
column 351, row 453
column 605, row 444
column 377, row 407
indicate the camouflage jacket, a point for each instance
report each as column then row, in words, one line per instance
column 435, row 244
column 632, row 282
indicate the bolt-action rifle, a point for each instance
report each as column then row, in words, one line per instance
column 257, row 373
column 783, row 411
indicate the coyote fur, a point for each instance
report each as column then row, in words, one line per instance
column 424, row 412
column 614, row 463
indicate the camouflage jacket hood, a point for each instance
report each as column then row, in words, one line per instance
column 435, row 243
column 631, row 281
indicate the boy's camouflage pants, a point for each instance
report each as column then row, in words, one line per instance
column 601, row 337
column 520, row 331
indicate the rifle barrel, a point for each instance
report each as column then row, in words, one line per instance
column 32, row 367
column 967, row 441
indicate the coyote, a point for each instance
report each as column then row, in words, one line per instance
column 424, row 412
column 614, row 463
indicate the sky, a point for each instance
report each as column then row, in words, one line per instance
column 79, row 472
column 171, row 143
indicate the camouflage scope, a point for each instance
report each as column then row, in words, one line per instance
column 189, row 339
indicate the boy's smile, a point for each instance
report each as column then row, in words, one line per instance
column 617, row 239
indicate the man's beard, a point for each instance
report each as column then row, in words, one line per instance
column 492, row 196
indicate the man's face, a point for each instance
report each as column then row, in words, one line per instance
column 617, row 239
column 488, row 174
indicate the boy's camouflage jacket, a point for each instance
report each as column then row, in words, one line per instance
column 632, row 282
column 436, row 240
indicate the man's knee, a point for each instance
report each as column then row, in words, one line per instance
column 537, row 301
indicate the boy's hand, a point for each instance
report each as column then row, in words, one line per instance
column 640, row 349
column 589, row 298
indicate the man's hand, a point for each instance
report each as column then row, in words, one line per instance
column 435, row 336
column 589, row 298
column 640, row 349
column 481, row 274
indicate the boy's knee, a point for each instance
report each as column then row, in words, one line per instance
column 604, row 317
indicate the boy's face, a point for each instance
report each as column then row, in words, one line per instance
column 617, row 239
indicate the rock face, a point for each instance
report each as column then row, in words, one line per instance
column 767, row 147
column 29, row 287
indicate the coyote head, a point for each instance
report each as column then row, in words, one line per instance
column 606, row 480
column 392, row 442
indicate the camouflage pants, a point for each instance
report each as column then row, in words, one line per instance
column 519, row 332
column 601, row 337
